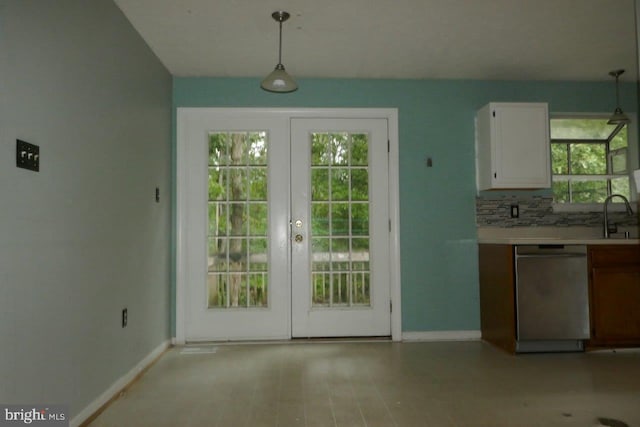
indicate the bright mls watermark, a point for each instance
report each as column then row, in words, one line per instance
column 34, row 415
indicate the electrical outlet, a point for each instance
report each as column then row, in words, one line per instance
column 515, row 211
column 125, row 316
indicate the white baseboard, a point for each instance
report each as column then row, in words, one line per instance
column 441, row 336
column 117, row 386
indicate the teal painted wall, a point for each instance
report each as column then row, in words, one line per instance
column 437, row 205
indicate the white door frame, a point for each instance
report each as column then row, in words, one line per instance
column 390, row 114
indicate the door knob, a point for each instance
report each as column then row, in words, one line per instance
column 298, row 238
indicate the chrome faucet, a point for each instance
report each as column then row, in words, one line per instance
column 606, row 215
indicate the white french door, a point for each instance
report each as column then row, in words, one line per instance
column 340, row 227
column 233, row 231
column 282, row 226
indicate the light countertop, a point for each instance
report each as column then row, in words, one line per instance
column 553, row 235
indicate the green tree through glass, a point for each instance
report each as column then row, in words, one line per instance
column 586, row 154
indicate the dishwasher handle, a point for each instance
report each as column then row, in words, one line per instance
column 554, row 255
column 550, row 251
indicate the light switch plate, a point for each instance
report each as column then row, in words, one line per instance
column 27, row 155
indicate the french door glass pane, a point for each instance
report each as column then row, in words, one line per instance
column 340, row 220
column 360, row 219
column 237, row 231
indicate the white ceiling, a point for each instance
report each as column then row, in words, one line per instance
column 414, row 39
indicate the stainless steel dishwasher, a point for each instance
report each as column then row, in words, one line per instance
column 552, row 298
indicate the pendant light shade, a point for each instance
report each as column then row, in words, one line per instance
column 618, row 117
column 279, row 80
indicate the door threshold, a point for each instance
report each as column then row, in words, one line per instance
column 341, row 339
column 310, row 340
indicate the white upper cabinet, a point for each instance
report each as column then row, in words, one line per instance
column 512, row 146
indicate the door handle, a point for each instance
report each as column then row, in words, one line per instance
column 298, row 238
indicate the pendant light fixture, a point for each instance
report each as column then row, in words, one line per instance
column 279, row 81
column 618, row 117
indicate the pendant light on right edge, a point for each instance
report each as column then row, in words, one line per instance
column 279, row 80
column 618, row 117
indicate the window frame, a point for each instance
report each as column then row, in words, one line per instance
column 632, row 162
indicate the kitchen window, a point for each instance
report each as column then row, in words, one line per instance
column 588, row 159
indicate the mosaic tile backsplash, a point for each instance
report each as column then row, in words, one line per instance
column 538, row 211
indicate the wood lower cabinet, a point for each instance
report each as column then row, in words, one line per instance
column 614, row 275
column 614, row 295
column 497, row 295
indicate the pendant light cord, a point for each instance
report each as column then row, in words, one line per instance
column 280, row 46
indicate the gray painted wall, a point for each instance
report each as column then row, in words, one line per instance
column 84, row 237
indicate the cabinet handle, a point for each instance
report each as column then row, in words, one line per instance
column 495, row 174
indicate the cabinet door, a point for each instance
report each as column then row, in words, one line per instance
column 615, row 304
column 521, row 150
column 497, row 295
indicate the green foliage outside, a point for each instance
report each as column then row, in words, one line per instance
column 238, row 218
column 579, row 148
column 340, row 217
column 340, row 186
